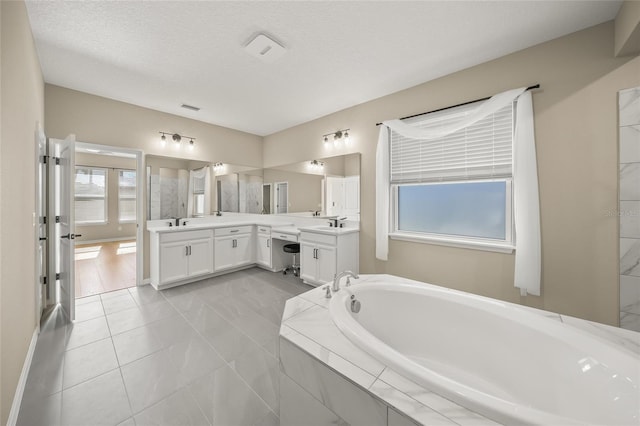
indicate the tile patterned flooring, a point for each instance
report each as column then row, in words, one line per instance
column 201, row 354
column 104, row 267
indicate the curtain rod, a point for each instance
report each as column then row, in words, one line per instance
column 535, row 86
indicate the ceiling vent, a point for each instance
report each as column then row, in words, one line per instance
column 190, row 107
column 265, row 48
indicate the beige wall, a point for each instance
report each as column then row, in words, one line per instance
column 576, row 129
column 627, row 29
column 104, row 121
column 113, row 229
column 22, row 92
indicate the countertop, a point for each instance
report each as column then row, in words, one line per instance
column 280, row 227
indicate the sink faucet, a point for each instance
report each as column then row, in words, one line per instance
column 177, row 219
column 336, row 281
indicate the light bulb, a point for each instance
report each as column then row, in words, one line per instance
column 163, row 140
column 346, row 137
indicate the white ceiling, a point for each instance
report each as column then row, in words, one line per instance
column 160, row 54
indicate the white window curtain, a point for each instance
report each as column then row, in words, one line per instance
column 195, row 176
column 525, row 180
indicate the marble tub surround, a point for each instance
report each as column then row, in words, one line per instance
column 629, row 207
column 308, row 337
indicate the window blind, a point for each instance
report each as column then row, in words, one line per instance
column 479, row 151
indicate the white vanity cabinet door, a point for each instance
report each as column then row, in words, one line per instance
column 308, row 264
column 326, row 263
column 323, row 255
column 233, row 249
column 200, row 256
column 243, row 251
column 174, row 265
column 224, row 252
column 318, row 262
column 263, row 250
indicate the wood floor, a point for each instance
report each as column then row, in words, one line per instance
column 105, row 267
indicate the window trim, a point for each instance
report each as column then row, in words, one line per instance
column 476, row 243
column 120, row 221
column 94, row 197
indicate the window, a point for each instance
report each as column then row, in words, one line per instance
column 126, row 196
column 90, row 195
column 455, row 188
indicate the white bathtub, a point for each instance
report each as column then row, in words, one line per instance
column 496, row 358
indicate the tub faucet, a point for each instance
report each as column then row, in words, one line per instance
column 336, row 281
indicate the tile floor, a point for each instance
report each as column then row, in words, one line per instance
column 104, row 267
column 201, row 354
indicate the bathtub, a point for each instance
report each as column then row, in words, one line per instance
column 504, row 361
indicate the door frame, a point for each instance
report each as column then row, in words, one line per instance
column 140, row 183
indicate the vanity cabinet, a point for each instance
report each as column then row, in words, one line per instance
column 323, row 255
column 233, row 247
column 180, row 256
column 263, row 246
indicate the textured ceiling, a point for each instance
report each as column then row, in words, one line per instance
column 161, row 54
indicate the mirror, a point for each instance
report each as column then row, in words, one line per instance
column 324, row 187
column 177, row 187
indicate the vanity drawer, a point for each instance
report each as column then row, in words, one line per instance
column 233, row 230
column 167, row 237
column 264, row 229
column 313, row 237
column 284, row 236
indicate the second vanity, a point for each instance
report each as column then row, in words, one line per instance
column 210, row 247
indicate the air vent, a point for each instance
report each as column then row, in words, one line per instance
column 190, row 107
column 265, row 48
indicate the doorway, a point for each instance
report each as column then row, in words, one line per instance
column 266, row 198
column 95, row 242
column 106, row 196
column 282, row 197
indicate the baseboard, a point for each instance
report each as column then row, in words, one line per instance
column 106, row 240
column 22, row 382
column 146, row 281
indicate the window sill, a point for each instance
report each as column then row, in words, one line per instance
column 450, row 242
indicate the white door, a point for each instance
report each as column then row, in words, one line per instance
column 63, row 241
column 263, row 250
column 43, row 293
column 173, row 261
column 308, row 262
column 326, row 263
column 201, row 256
column 243, row 250
column 223, row 252
column 282, row 197
column 351, row 196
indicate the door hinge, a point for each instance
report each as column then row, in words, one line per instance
column 57, row 219
column 43, row 280
column 44, row 159
column 57, row 276
column 43, row 220
column 57, row 161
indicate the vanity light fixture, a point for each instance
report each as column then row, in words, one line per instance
column 218, row 167
column 176, row 138
column 316, row 165
column 338, row 136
